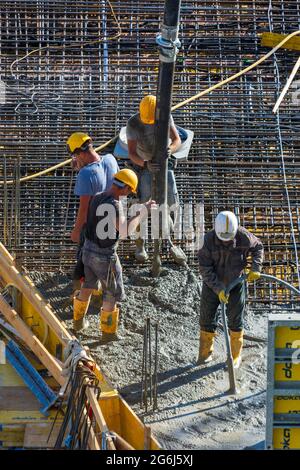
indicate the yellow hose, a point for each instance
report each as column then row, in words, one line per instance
column 52, row 168
column 179, row 105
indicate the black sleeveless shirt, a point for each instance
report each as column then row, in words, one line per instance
column 101, row 221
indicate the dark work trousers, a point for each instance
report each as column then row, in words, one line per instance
column 235, row 308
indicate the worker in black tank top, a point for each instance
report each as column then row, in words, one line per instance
column 100, row 259
column 105, row 221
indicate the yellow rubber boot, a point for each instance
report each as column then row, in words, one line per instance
column 236, row 343
column 97, row 297
column 109, row 323
column 206, row 346
column 80, row 307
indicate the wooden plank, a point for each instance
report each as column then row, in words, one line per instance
column 272, row 39
column 18, row 399
column 121, row 444
column 11, row 435
column 37, row 434
column 99, row 417
column 133, row 429
column 27, row 416
column 287, row 85
column 32, row 341
column 147, row 437
column 12, row 276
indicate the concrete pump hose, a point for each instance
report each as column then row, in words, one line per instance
column 262, row 276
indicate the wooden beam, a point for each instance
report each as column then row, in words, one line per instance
column 12, row 276
column 32, row 341
column 99, row 417
column 37, row 434
column 121, row 444
column 147, row 437
column 287, row 85
column 272, row 39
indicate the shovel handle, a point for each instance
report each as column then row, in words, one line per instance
column 229, row 359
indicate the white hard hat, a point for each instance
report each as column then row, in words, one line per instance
column 226, row 225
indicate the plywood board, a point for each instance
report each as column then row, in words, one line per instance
column 37, row 434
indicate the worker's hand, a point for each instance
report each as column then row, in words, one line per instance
column 223, row 298
column 75, row 235
column 253, row 276
column 150, row 205
column 153, row 167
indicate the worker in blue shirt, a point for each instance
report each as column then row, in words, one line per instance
column 95, row 175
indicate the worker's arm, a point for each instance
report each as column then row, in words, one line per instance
column 81, row 218
column 133, row 153
column 175, row 138
column 207, row 270
column 128, row 227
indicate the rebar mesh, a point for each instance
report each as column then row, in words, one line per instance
column 93, row 62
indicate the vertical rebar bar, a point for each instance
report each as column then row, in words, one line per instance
column 150, row 359
column 155, row 403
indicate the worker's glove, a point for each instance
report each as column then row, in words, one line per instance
column 223, row 298
column 172, row 162
column 253, row 276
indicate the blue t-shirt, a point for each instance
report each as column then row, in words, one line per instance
column 96, row 177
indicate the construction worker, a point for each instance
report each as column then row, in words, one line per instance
column 99, row 254
column 140, row 141
column 222, row 259
column 95, row 175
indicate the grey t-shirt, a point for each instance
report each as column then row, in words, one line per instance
column 143, row 134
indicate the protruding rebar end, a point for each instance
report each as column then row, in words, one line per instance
column 156, row 261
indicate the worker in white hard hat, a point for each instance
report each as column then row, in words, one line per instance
column 105, row 225
column 95, row 174
column 140, row 141
column 222, row 259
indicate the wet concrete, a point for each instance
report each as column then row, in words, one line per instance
column 194, row 408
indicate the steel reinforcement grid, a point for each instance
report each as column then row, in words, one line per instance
column 72, row 65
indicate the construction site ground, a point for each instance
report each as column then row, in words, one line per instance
column 194, row 408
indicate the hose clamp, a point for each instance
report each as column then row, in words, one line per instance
column 168, row 43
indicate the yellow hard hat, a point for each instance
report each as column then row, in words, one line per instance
column 127, row 177
column 76, row 141
column 147, row 109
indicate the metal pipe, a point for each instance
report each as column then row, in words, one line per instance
column 150, row 358
column 155, row 403
column 143, row 370
column 146, row 368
